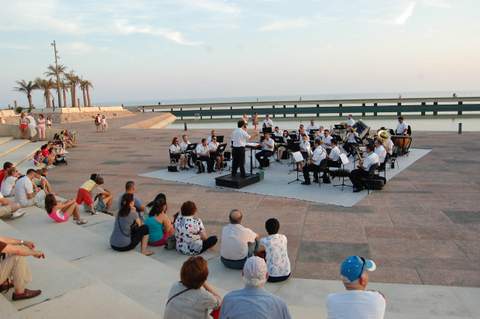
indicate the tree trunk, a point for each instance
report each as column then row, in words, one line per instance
column 29, row 96
column 88, row 97
column 48, row 103
column 64, row 97
column 74, row 98
column 84, row 97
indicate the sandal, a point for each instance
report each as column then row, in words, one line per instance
column 148, row 253
column 81, row 221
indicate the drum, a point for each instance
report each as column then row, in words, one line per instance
column 402, row 142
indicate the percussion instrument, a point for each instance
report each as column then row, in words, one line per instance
column 402, row 142
column 361, row 128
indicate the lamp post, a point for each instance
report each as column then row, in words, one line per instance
column 54, row 44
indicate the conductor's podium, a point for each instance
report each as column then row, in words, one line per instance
column 237, row 181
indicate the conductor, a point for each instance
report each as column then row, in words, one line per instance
column 240, row 137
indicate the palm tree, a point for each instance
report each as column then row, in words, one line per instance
column 56, row 72
column 83, row 88
column 27, row 88
column 72, row 81
column 46, row 86
column 64, row 87
column 86, row 85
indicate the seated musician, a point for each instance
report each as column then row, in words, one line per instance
column 212, row 134
column 333, row 159
column 316, row 164
column 183, row 148
column 203, row 155
column 311, row 127
column 327, row 139
column 350, row 141
column 380, row 151
column 276, row 131
column 267, row 122
column 402, row 127
column 301, row 130
column 282, row 147
column 268, row 147
column 350, row 120
column 387, row 141
column 214, row 154
column 176, row 153
column 363, row 169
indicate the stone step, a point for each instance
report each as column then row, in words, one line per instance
column 5, row 139
column 21, row 153
column 11, row 146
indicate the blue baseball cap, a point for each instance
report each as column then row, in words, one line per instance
column 353, row 266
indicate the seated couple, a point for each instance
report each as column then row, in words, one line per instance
column 239, row 243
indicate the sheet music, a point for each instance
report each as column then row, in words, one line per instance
column 298, row 157
column 344, row 158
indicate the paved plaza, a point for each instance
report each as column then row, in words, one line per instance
column 422, row 228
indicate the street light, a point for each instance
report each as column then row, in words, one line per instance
column 54, row 45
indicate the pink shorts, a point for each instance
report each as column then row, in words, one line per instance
column 58, row 216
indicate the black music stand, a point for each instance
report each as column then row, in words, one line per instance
column 344, row 160
column 267, row 130
column 293, row 147
column 191, row 147
column 297, row 159
column 220, row 138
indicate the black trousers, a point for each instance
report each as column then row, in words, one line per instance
column 209, row 163
column 331, row 163
column 349, row 147
column 238, row 160
column 356, row 177
column 210, row 242
column 310, row 168
column 135, row 238
column 262, row 155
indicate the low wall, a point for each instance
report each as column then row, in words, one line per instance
column 13, row 131
column 159, row 121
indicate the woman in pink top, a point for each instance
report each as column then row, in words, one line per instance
column 41, row 127
column 61, row 212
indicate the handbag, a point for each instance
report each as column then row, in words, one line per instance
column 171, row 243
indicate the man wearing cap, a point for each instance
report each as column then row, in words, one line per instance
column 254, row 301
column 356, row 302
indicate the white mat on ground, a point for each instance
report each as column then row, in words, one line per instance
column 277, row 176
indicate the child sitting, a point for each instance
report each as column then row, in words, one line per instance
column 276, row 253
column 84, row 195
column 61, row 212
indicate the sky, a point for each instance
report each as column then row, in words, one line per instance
column 134, row 50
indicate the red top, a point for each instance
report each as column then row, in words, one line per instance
column 2, row 176
column 45, row 152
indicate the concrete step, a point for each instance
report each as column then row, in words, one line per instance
column 76, row 295
column 11, row 146
column 22, row 153
column 5, row 139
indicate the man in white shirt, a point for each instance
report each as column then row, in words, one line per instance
column 183, row 148
column 363, row 169
column 267, row 122
column 240, row 137
column 327, row 138
column 203, row 155
column 238, row 242
column 212, row 134
column 268, row 148
column 402, row 127
column 350, row 120
column 312, row 127
column 380, row 151
column 25, row 191
column 356, row 302
column 276, row 132
column 316, row 164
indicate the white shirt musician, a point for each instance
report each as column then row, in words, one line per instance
column 316, row 164
column 326, row 139
column 202, row 149
column 335, row 153
column 371, row 159
column 402, row 127
column 350, row 120
column 184, row 143
column 212, row 134
column 268, row 144
column 213, row 146
column 380, row 151
column 352, row 137
column 319, row 154
column 363, row 170
column 388, row 144
column 240, row 137
column 305, row 146
column 175, row 149
column 268, row 147
column 267, row 122
column 276, row 132
column 312, row 127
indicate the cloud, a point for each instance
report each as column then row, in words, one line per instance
column 285, row 25
column 406, row 14
column 443, row 4
column 213, row 6
column 122, row 27
column 77, row 48
column 14, row 46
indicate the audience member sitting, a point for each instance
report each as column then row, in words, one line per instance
column 254, row 301
column 128, row 229
column 9, row 209
column 356, row 302
column 61, row 212
column 38, row 159
column 26, row 193
column 14, row 266
column 159, row 224
column 238, row 242
column 191, row 237
column 42, row 182
column 131, row 189
column 192, row 297
column 203, row 155
column 3, row 172
column 8, row 184
column 276, row 252
column 48, row 158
